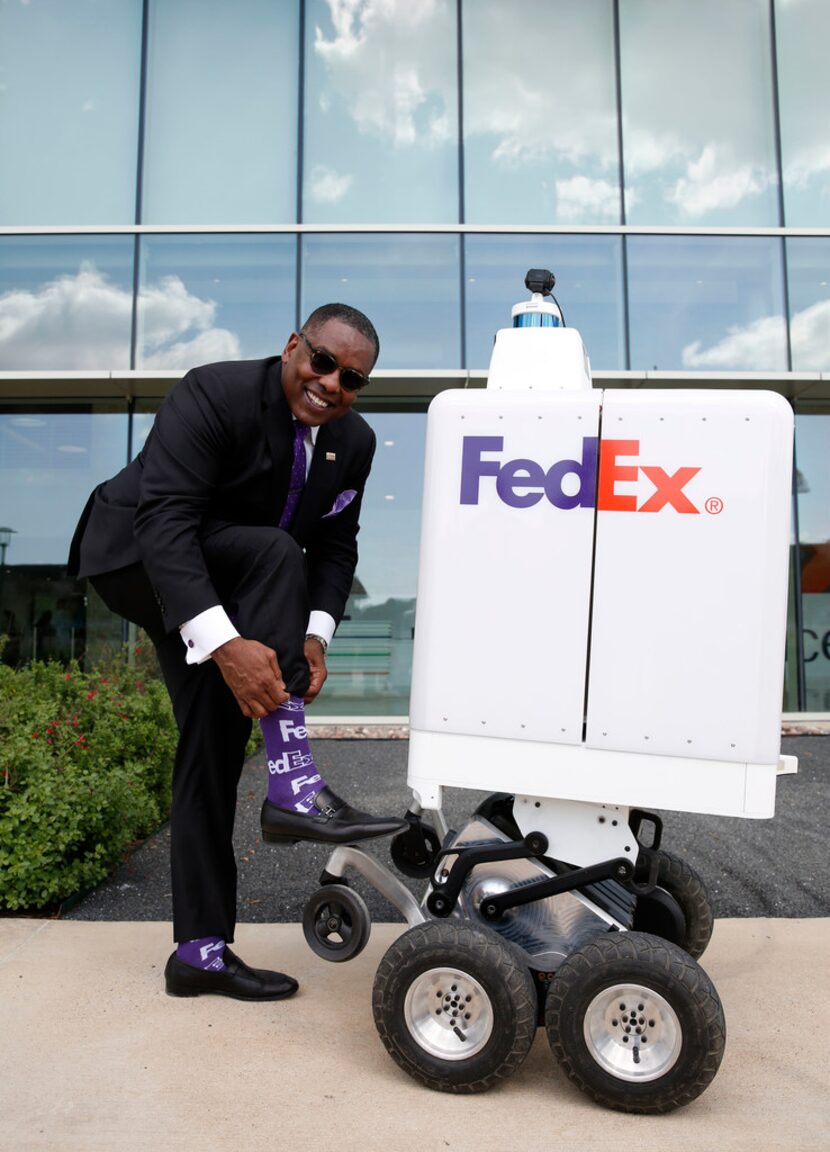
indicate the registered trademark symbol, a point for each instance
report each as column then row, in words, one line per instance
column 714, row 505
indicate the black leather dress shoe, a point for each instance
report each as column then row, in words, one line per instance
column 236, row 979
column 336, row 823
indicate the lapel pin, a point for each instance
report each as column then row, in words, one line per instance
column 331, row 455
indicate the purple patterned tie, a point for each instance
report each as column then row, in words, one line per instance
column 298, row 470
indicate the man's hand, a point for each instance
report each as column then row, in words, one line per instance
column 316, row 657
column 251, row 671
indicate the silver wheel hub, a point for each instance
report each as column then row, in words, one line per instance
column 448, row 1013
column 632, row 1032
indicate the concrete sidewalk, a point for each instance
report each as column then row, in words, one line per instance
column 96, row 1057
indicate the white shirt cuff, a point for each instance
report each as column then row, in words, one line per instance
column 206, row 632
column 321, row 624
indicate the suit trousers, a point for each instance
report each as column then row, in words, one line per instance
column 259, row 574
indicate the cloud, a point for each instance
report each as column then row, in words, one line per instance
column 525, row 134
column 705, row 126
column 580, row 196
column 327, row 186
column 391, row 63
column 757, row 347
column 177, row 328
column 696, row 179
column 647, row 151
column 347, row 38
column 811, row 160
column 715, row 182
column 563, row 113
column 760, row 346
column 78, row 321
column 204, row 348
column 82, row 321
column 358, row 22
column 810, row 336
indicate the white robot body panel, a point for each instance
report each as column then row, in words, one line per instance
column 602, row 589
column 503, row 601
column 529, row 360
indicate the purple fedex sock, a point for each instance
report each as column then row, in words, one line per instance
column 293, row 779
column 206, row 952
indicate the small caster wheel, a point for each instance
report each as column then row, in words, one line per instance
column 336, row 923
column 415, row 851
column 678, row 909
column 455, row 1006
column 635, row 1023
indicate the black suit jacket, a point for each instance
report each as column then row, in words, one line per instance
column 220, row 451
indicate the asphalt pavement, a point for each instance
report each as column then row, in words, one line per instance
column 752, row 868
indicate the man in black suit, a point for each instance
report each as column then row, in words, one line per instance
column 231, row 539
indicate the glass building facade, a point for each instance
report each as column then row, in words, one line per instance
column 182, row 181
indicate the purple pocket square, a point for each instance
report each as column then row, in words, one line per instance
column 343, row 501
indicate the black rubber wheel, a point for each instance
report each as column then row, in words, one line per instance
column 635, row 1023
column 679, row 909
column 336, row 923
column 412, row 856
column 455, row 1006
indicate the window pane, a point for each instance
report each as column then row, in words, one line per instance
column 221, row 124
column 65, row 302
column 143, row 417
column 381, row 119
column 698, row 134
column 812, row 435
column 69, row 75
column 407, row 286
column 808, row 271
column 208, row 298
column 370, row 659
column 588, row 287
column 50, row 460
column 540, row 113
column 803, row 32
column 706, row 303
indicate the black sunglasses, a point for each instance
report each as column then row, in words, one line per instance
column 323, row 364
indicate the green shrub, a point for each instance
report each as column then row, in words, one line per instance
column 85, row 769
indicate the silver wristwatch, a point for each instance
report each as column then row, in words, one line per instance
column 323, row 643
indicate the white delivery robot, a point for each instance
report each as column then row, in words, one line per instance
column 600, row 631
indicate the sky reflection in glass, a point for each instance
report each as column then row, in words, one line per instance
column 803, row 34
column 381, row 113
column 390, row 521
column 706, row 303
column 408, row 286
column 69, row 93
column 49, row 464
column 540, row 113
column 808, row 270
column 588, row 286
column 221, row 123
column 65, row 302
column 698, row 130
column 217, row 297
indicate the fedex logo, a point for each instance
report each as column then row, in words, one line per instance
column 522, row 483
